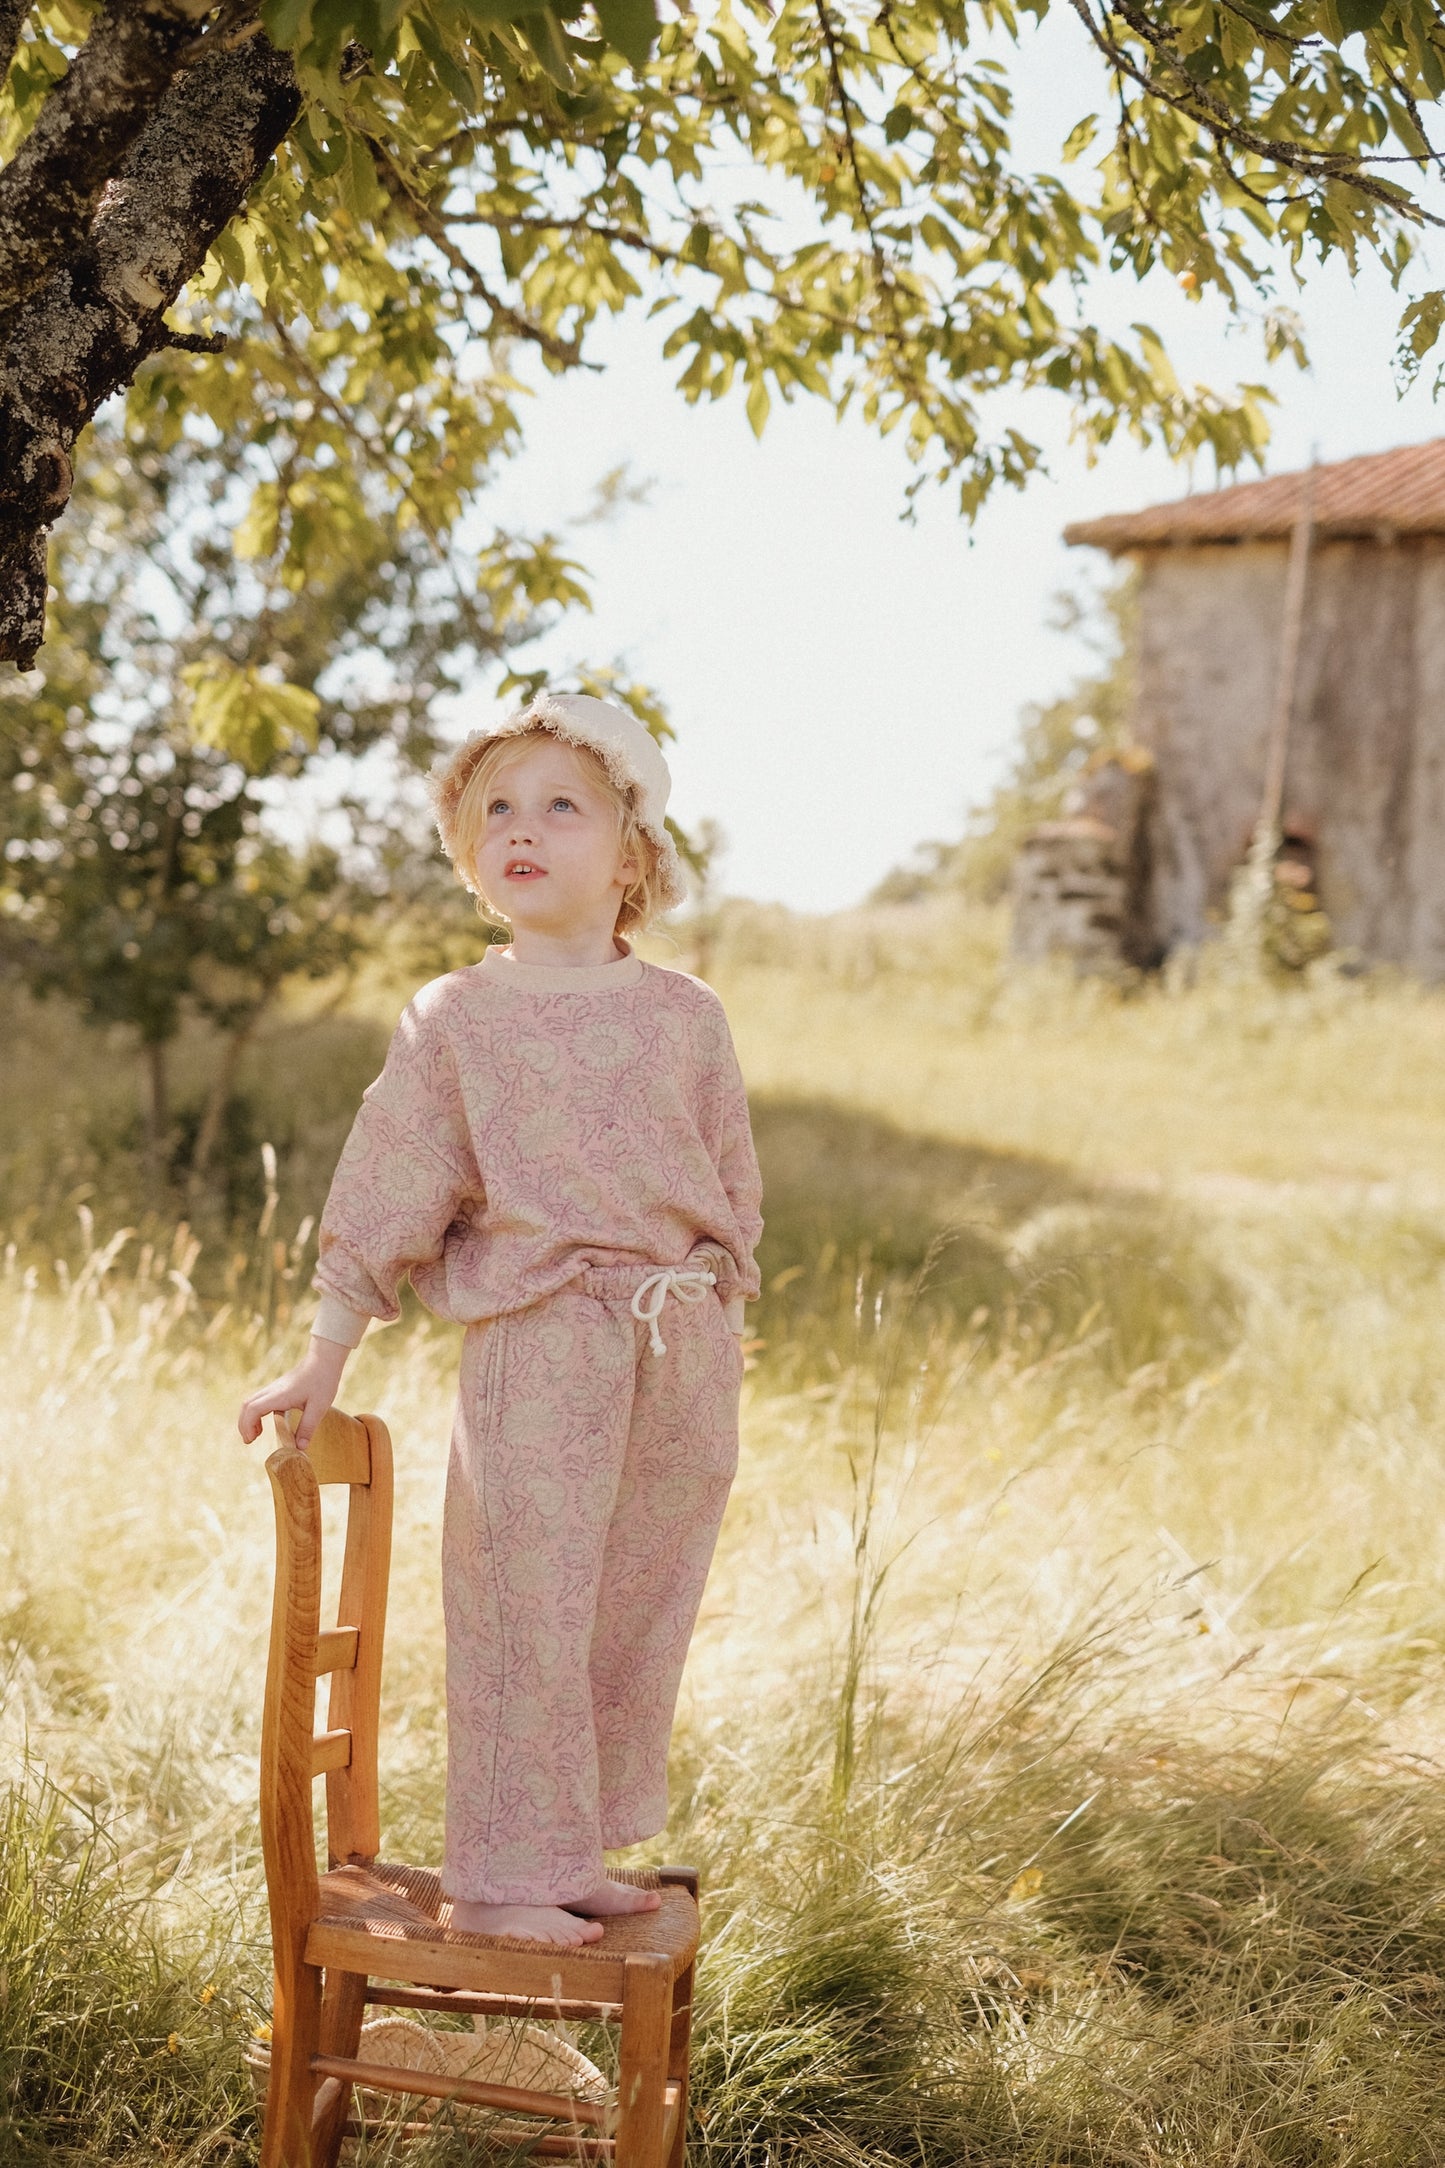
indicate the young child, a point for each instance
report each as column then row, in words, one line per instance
column 558, row 1153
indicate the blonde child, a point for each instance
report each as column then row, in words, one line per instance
column 558, row 1153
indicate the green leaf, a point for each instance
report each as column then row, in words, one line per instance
column 1422, row 323
column 322, row 159
column 248, row 716
column 448, row 74
column 758, row 405
column 543, row 34
column 491, row 12
column 286, row 22
column 1079, row 137
column 898, row 122
column 630, row 25
column 230, row 255
column 1359, row 14
column 333, row 22
column 359, row 187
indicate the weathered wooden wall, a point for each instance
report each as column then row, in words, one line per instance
column 1366, row 773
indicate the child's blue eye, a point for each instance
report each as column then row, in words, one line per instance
column 561, row 801
column 499, row 805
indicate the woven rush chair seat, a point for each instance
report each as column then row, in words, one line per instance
column 372, row 1933
column 389, row 1905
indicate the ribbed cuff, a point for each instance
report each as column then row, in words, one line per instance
column 714, row 1258
column 336, row 1320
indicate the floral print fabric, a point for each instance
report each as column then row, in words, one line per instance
column 539, row 1144
column 586, row 1483
column 531, row 1122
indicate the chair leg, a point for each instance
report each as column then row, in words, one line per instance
column 643, row 2059
column 291, row 2093
column 679, row 2056
column 343, row 2006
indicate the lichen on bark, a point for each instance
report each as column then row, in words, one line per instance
column 82, row 333
column 51, row 187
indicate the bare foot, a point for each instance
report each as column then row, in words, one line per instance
column 532, row 1923
column 610, row 1899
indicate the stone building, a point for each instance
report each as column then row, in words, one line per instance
column 1363, row 804
column 1081, row 884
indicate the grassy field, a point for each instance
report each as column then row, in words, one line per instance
column 1061, row 1743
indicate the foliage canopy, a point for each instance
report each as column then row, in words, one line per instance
column 370, row 207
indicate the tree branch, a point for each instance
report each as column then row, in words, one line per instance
column 49, row 190
column 881, row 266
column 630, row 237
column 83, row 334
column 908, row 376
column 434, row 227
column 1208, row 111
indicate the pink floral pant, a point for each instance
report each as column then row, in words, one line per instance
column 584, row 1493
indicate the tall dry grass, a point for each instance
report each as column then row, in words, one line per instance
column 1060, row 1743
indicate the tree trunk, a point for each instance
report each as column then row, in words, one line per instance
column 51, row 187
column 157, row 1113
column 218, row 1099
column 83, row 333
column 12, row 22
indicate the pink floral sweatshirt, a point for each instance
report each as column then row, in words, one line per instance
column 529, row 1122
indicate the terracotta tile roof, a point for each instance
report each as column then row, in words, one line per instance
column 1402, row 491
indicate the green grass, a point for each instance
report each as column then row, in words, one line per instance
column 119, row 2035
column 1061, row 1741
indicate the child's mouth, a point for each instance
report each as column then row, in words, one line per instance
column 523, row 869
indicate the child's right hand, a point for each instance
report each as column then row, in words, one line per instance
column 312, row 1387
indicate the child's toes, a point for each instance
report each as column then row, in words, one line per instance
column 610, row 1899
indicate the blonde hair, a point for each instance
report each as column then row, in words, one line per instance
column 461, row 818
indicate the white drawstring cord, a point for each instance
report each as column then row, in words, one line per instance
column 685, row 1286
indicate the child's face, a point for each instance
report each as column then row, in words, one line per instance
column 548, row 857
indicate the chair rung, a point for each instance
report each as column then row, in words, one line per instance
column 545, row 2144
column 552, row 2144
column 527, row 2138
column 472, row 2003
column 562, row 2145
column 336, row 1649
column 472, row 2092
column 330, row 1750
column 530, row 1972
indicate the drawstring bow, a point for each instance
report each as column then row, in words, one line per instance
column 651, row 1293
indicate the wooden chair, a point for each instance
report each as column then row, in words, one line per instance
column 370, row 1932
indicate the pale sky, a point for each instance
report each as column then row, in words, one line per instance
column 844, row 685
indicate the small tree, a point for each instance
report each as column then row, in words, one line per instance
column 191, row 683
column 138, row 884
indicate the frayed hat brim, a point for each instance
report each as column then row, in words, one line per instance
column 448, row 785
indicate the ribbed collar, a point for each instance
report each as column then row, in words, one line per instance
column 502, row 969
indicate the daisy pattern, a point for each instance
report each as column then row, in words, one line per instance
column 536, row 1150
column 574, row 1558
column 512, row 1133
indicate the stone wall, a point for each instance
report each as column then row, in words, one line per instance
column 1081, row 884
column 1365, row 782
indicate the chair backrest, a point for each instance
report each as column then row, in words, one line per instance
column 355, row 1450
